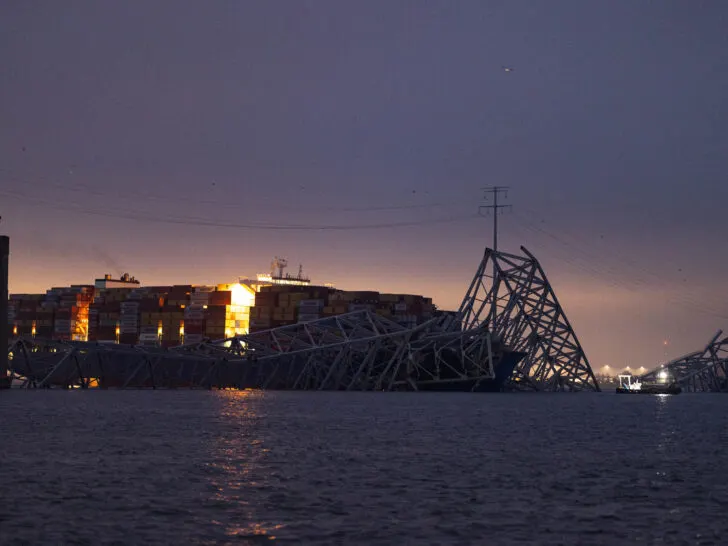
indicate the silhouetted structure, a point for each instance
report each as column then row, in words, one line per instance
column 4, row 259
column 357, row 350
column 700, row 371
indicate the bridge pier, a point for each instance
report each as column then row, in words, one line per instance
column 4, row 257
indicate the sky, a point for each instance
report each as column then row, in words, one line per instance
column 186, row 141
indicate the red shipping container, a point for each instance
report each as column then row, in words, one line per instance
column 217, row 312
column 220, row 298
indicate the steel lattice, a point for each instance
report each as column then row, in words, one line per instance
column 511, row 296
column 361, row 351
column 701, row 371
column 356, row 351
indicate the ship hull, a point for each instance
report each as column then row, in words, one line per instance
column 651, row 390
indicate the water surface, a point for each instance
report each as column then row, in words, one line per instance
column 199, row 467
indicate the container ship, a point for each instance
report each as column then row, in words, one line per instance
column 121, row 310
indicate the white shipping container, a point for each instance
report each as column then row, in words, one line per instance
column 400, row 307
column 193, row 338
column 148, row 337
column 308, row 317
column 360, row 307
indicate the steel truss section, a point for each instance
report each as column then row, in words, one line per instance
column 701, row 371
column 44, row 364
column 511, row 296
column 503, row 318
column 357, row 351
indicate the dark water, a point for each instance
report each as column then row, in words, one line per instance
column 85, row 467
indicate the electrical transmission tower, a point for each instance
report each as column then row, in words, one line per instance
column 511, row 296
column 495, row 191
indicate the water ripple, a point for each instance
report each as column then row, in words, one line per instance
column 360, row 468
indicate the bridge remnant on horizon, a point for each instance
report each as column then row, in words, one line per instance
column 705, row 370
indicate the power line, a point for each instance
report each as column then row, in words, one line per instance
column 196, row 221
column 88, row 190
column 581, row 243
column 682, row 299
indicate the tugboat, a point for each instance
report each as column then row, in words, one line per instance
column 627, row 386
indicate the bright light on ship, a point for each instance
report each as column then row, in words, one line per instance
column 662, row 375
column 269, row 279
column 242, row 295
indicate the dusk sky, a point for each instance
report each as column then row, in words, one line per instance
column 180, row 141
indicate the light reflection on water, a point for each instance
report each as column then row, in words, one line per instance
column 361, row 468
column 237, row 463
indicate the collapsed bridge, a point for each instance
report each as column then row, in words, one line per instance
column 705, row 370
column 509, row 333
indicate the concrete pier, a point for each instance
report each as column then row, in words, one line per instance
column 4, row 258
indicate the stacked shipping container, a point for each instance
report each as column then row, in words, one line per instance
column 279, row 305
column 60, row 313
column 23, row 311
column 172, row 315
column 105, row 314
